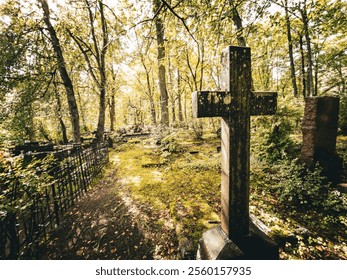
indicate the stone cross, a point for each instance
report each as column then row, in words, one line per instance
column 235, row 104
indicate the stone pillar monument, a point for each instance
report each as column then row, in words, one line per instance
column 319, row 128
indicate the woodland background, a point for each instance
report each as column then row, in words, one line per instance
column 77, row 67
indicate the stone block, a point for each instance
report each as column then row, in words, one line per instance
column 319, row 128
column 215, row 245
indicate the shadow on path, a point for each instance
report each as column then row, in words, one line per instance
column 99, row 226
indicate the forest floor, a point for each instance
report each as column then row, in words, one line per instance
column 99, row 226
column 106, row 224
column 155, row 201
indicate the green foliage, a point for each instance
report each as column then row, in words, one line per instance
column 343, row 115
column 277, row 144
column 272, row 137
column 300, row 189
column 197, row 129
column 306, row 215
column 185, row 184
column 273, row 143
column 192, row 60
column 21, row 181
column 182, row 190
column 170, row 144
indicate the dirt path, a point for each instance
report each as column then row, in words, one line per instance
column 99, row 226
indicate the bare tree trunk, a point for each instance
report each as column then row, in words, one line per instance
column 185, row 108
column 310, row 86
column 150, row 96
column 179, row 92
column 102, row 71
column 102, row 110
column 303, row 72
column 153, row 112
column 112, row 112
column 112, row 99
column 173, row 94
column 73, row 109
column 237, row 20
column 202, row 64
column 316, row 78
column 290, row 48
column 342, row 88
column 173, row 112
column 150, row 91
column 63, row 130
column 92, row 50
column 161, row 71
column 193, row 72
column 238, row 24
column 60, row 118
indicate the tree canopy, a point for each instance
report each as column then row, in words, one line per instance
column 69, row 67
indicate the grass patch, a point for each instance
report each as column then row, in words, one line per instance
column 186, row 184
column 179, row 181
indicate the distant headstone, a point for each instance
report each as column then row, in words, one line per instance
column 319, row 128
column 32, row 147
column 238, row 237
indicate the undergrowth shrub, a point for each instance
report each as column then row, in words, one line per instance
column 22, row 181
column 271, row 136
column 197, row 128
column 273, row 142
column 343, row 115
column 170, row 143
column 305, row 190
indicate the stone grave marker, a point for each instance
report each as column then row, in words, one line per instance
column 319, row 132
column 239, row 236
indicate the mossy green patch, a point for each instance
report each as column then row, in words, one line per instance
column 178, row 186
column 186, row 184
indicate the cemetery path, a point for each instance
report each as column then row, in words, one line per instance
column 98, row 226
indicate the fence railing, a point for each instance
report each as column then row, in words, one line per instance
column 30, row 210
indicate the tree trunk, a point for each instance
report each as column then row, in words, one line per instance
column 173, row 112
column 185, row 107
column 290, row 48
column 112, row 112
column 60, row 118
column 236, row 18
column 310, row 86
column 342, row 88
column 316, row 78
column 73, row 109
column 153, row 112
column 102, row 71
column 102, row 108
column 303, row 72
column 180, row 113
column 161, row 71
column 150, row 93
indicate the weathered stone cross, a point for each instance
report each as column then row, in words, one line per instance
column 235, row 104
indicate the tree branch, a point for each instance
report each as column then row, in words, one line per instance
column 171, row 9
column 86, row 57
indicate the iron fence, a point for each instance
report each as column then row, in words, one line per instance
column 28, row 213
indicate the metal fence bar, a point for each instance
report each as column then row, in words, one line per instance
column 21, row 230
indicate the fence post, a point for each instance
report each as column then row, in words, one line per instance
column 55, row 204
column 20, row 229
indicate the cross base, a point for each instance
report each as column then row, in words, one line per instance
column 215, row 245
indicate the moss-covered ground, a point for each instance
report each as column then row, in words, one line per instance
column 177, row 185
column 179, row 182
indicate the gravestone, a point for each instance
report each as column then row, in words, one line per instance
column 32, row 147
column 238, row 236
column 319, row 129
